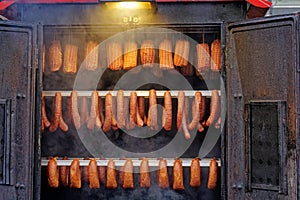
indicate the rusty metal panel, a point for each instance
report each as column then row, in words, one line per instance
column 17, row 75
column 261, row 66
column 266, row 145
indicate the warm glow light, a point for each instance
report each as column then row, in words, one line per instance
column 128, row 5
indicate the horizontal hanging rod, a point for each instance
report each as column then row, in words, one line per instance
column 145, row 93
column 186, row 162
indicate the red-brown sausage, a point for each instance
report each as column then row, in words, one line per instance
column 195, row 173
column 108, row 112
column 178, row 175
column 141, row 108
column 84, row 113
column 120, row 109
column 185, row 130
column 214, row 108
column 111, row 176
column 152, row 113
column 202, row 115
column 64, row 174
column 93, row 174
column 196, row 111
column 114, row 124
column 128, row 175
column 163, row 176
column 57, row 117
column 74, row 110
column 139, row 119
column 52, row 172
column 180, row 108
column 132, row 110
column 213, row 174
column 167, row 111
column 75, row 174
column 101, row 110
column 45, row 119
column 144, row 174
column 94, row 118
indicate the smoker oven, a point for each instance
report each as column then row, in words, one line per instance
column 258, row 83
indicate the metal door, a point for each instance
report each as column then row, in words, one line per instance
column 261, row 108
column 17, row 100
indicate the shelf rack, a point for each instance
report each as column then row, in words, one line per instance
column 145, row 93
column 153, row 162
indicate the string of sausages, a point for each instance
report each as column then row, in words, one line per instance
column 122, row 113
column 120, row 56
column 96, row 175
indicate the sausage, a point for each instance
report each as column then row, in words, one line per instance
column 202, row 114
column 126, row 112
column 214, row 108
column 163, row 176
column 45, row 119
column 185, row 130
column 178, row 175
column 141, row 108
column 114, row 125
column 147, row 53
column 86, row 172
column 93, row 174
column 120, row 109
column 144, row 174
column 98, row 122
column 139, row 119
column 128, row 175
column 195, row 173
column 111, row 176
column 101, row 109
column 152, row 113
column 132, row 110
column 56, row 113
column 203, row 58
column 74, row 110
column 52, row 172
column 70, row 59
column 75, row 174
column 216, row 55
column 167, row 111
column 108, row 112
column 94, row 118
column 213, row 174
column 64, row 174
column 181, row 97
column 55, row 56
column 196, row 111
column 57, row 117
column 63, row 125
column 102, row 173
column 165, row 55
column 84, row 113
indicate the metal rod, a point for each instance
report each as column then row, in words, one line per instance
column 145, row 93
column 186, row 162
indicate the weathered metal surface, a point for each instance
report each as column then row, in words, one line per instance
column 261, row 67
column 17, row 87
